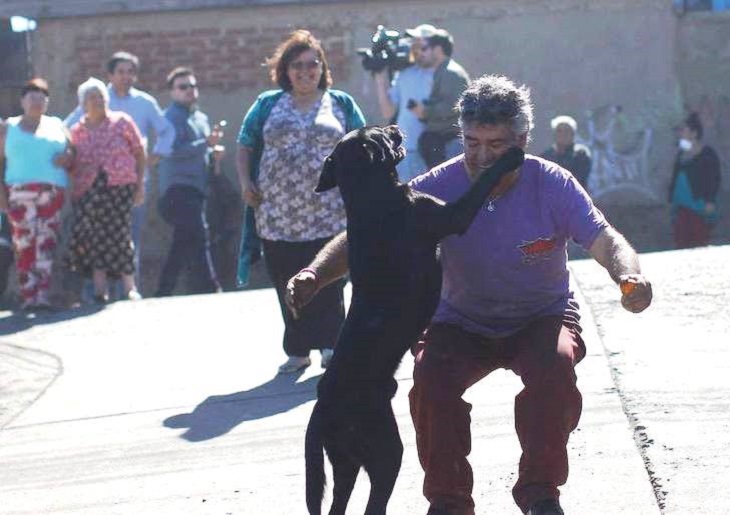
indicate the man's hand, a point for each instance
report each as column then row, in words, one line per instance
column 218, row 152
column 215, row 135
column 418, row 110
column 153, row 160
column 636, row 293
column 251, row 195
column 139, row 195
column 300, row 290
column 381, row 78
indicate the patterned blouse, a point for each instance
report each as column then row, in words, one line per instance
column 109, row 147
column 295, row 146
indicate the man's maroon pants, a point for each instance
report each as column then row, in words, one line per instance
column 449, row 360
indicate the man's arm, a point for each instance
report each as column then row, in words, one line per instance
column 611, row 250
column 387, row 108
column 328, row 265
column 447, row 88
column 3, row 191
column 140, row 163
column 164, row 133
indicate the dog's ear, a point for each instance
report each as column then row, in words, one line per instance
column 395, row 149
column 394, row 134
column 327, row 178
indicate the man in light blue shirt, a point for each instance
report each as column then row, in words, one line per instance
column 147, row 115
column 414, row 83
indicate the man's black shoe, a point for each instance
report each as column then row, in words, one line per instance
column 546, row 507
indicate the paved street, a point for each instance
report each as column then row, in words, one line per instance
column 172, row 406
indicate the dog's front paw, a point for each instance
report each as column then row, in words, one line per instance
column 510, row 160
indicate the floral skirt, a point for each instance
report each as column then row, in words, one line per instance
column 101, row 237
column 35, row 215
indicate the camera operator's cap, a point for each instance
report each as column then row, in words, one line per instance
column 422, row 31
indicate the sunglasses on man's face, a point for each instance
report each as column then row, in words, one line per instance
column 185, row 87
column 305, row 65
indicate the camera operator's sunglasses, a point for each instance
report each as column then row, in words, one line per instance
column 185, row 87
column 305, row 65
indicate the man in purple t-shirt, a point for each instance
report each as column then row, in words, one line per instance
column 505, row 303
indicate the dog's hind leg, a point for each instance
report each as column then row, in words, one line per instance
column 383, row 465
column 314, row 460
column 345, row 471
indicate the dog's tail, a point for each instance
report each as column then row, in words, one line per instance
column 314, row 459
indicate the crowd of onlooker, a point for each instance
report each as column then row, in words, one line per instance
column 98, row 160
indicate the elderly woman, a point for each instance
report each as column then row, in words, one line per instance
column 36, row 151
column 694, row 187
column 285, row 137
column 108, row 173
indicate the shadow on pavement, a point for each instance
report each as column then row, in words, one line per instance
column 17, row 321
column 218, row 414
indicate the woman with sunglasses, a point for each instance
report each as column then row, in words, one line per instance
column 34, row 155
column 284, row 139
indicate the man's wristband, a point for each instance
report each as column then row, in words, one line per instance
column 313, row 272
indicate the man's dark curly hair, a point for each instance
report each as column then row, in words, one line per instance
column 494, row 100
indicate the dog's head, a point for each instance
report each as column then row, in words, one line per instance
column 362, row 155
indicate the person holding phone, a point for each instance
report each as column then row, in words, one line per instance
column 183, row 184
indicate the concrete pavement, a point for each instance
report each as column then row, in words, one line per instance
column 670, row 365
column 172, row 406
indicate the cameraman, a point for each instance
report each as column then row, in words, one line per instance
column 440, row 139
column 411, row 84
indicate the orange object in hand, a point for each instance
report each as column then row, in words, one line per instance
column 627, row 287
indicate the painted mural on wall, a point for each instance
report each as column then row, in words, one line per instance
column 620, row 150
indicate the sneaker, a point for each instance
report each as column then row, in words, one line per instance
column 326, row 357
column 546, row 507
column 132, row 295
column 294, row 364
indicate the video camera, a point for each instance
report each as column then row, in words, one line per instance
column 388, row 49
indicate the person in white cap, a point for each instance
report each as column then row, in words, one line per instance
column 572, row 156
column 410, row 85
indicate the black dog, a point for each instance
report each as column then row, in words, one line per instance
column 392, row 235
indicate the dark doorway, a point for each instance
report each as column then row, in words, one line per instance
column 14, row 67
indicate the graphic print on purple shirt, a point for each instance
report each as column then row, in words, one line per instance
column 510, row 267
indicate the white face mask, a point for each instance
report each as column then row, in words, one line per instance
column 685, row 144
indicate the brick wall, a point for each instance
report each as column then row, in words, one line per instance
column 225, row 59
column 576, row 55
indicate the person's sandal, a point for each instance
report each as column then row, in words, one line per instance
column 294, row 364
